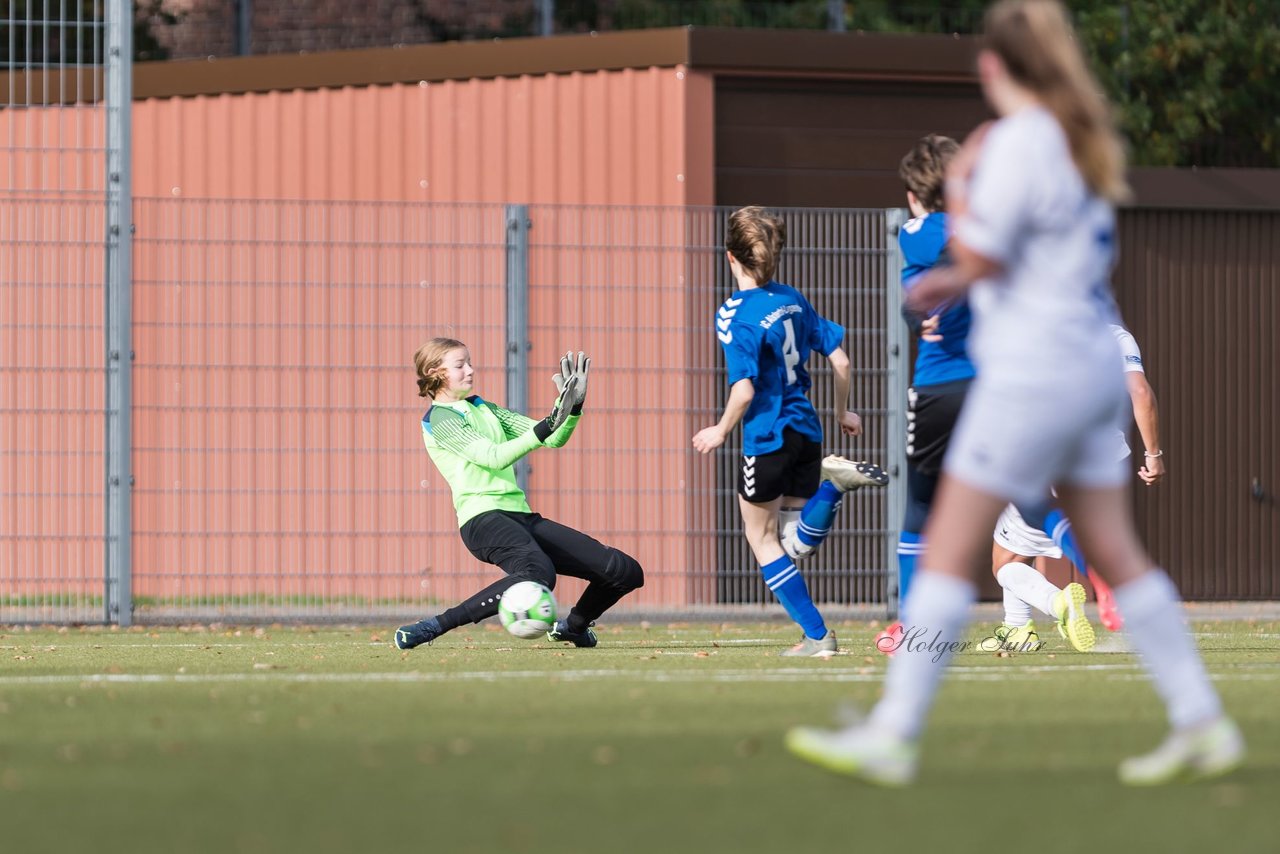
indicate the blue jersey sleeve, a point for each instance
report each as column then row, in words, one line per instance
column 921, row 240
column 826, row 337
column 741, row 353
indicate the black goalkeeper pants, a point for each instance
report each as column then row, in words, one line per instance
column 528, row 547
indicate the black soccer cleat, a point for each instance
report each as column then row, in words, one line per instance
column 560, row 634
column 423, row 631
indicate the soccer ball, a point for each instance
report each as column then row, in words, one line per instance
column 527, row 609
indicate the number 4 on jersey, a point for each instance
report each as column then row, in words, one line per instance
column 790, row 353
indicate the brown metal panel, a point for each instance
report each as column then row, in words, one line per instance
column 1225, row 189
column 828, row 143
column 772, row 52
column 1200, row 292
column 432, row 62
column 872, row 55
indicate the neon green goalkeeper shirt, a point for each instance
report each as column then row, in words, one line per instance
column 475, row 445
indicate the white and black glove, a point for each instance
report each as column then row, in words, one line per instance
column 572, row 368
column 559, row 410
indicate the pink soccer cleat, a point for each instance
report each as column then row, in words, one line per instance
column 1107, row 613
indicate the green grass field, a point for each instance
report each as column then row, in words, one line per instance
column 665, row 738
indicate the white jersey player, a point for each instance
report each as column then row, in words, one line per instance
column 1015, row 535
column 1018, row 543
column 1030, row 199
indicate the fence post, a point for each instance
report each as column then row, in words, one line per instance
column 243, row 27
column 546, row 17
column 118, row 592
column 518, row 344
column 835, row 15
column 898, row 380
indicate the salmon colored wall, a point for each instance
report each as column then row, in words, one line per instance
column 52, row 396
column 276, row 441
column 628, row 137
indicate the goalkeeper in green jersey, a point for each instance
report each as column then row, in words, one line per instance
column 475, row 444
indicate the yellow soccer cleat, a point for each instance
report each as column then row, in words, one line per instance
column 1195, row 753
column 1007, row 638
column 1068, row 607
column 857, row 751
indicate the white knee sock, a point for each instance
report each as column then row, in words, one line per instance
column 933, row 620
column 1155, row 626
column 1016, row 611
column 1028, row 585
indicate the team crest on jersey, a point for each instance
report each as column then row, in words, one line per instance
column 724, row 319
column 1133, row 360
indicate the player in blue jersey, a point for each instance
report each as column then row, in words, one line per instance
column 943, row 370
column 768, row 330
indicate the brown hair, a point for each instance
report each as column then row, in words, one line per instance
column 756, row 238
column 427, row 360
column 924, row 169
column 1038, row 46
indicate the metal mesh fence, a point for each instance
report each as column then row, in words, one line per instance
column 277, row 457
column 52, row 377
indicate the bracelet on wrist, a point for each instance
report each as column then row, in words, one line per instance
column 1156, row 454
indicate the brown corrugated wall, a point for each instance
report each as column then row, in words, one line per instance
column 1201, row 293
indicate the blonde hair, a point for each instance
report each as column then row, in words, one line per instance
column 756, row 239
column 923, row 169
column 1035, row 41
column 428, row 359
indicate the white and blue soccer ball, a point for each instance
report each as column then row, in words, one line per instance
column 527, row 610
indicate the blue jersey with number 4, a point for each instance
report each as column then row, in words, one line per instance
column 767, row 334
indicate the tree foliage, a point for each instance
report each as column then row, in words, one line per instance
column 1194, row 82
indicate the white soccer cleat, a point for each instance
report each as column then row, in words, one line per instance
column 823, row 647
column 848, row 475
column 858, row 751
column 1194, row 753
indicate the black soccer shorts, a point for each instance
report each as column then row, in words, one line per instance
column 931, row 418
column 794, row 469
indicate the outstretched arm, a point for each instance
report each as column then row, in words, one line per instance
column 1147, row 415
column 740, row 396
column 850, row 423
column 460, row 439
column 452, row 432
column 514, row 424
